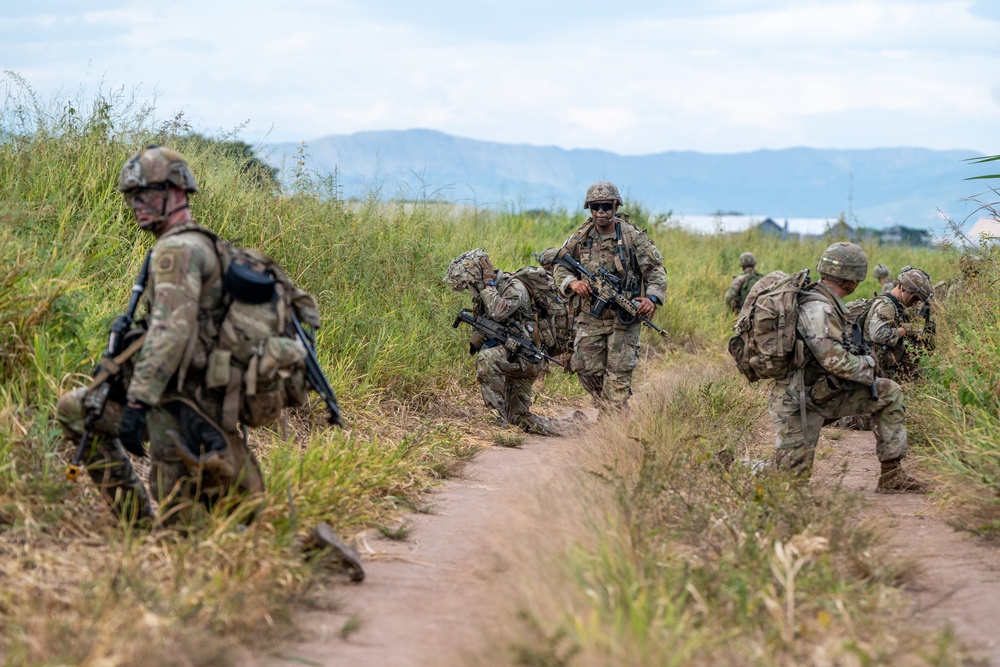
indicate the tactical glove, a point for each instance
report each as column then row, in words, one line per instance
column 489, row 273
column 132, row 429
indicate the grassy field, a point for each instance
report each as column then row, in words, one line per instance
column 81, row 589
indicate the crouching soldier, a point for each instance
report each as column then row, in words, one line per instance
column 505, row 379
column 198, row 450
column 836, row 380
column 895, row 339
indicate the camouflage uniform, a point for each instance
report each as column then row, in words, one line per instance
column 506, row 385
column 893, row 352
column 836, row 383
column 191, row 456
column 740, row 287
column 606, row 351
column 104, row 458
column 185, row 303
column 881, row 273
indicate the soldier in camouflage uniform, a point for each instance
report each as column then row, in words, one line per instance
column 506, row 384
column 606, row 351
column 890, row 330
column 192, row 458
column 835, row 381
column 882, row 276
column 740, row 287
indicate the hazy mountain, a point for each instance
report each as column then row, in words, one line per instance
column 884, row 186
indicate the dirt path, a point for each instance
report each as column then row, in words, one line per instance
column 957, row 576
column 429, row 599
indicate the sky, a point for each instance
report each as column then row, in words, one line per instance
column 717, row 76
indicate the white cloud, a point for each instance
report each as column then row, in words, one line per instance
column 723, row 76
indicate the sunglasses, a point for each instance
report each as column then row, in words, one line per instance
column 601, row 207
column 137, row 196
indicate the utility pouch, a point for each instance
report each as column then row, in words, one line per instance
column 217, row 370
column 825, row 389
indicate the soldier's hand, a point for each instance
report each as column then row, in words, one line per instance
column 581, row 287
column 646, row 306
column 489, row 273
column 132, row 428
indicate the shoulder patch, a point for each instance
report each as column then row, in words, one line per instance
column 167, row 267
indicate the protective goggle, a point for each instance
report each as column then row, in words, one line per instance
column 602, row 206
column 138, row 196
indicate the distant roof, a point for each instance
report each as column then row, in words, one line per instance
column 984, row 227
column 739, row 223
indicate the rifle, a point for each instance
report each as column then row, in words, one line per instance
column 859, row 346
column 108, row 370
column 314, row 374
column 516, row 342
column 608, row 290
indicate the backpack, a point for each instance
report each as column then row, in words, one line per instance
column 255, row 358
column 553, row 323
column 857, row 310
column 765, row 344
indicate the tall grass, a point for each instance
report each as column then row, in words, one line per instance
column 957, row 407
column 82, row 589
column 680, row 559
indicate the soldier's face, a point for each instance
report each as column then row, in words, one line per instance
column 602, row 212
column 148, row 204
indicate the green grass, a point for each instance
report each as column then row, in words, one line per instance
column 681, row 560
column 956, row 409
column 82, row 589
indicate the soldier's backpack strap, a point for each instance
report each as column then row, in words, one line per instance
column 573, row 242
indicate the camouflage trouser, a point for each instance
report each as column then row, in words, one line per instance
column 181, row 472
column 605, row 355
column 506, row 385
column 796, row 445
column 186, row 468
column 104, row 458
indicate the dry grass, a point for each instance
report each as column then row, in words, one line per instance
column 659, row 555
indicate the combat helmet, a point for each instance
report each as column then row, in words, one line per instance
column 466, row 269
column 602, row 191
column 155, row 166
column 747, row 259
column 844, row 260
column 881, row 271
column 916, row 282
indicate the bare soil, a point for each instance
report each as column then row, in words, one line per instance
column 429, row 599
column 956, row 576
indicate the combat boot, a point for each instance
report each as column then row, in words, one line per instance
column 324, row 541
column 893, row 479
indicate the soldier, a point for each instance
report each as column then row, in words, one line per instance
column 505, row 382
column 882, row 276
column 834, row 381
column 193, row 459
column 606, row 350
column 741, row 284
column 889, row 329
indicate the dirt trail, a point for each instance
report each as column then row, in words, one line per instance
column 429, row 599
column 957, row 577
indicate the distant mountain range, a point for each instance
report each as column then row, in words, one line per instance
column 878, row 187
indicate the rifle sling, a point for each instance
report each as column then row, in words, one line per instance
column 109, row 367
